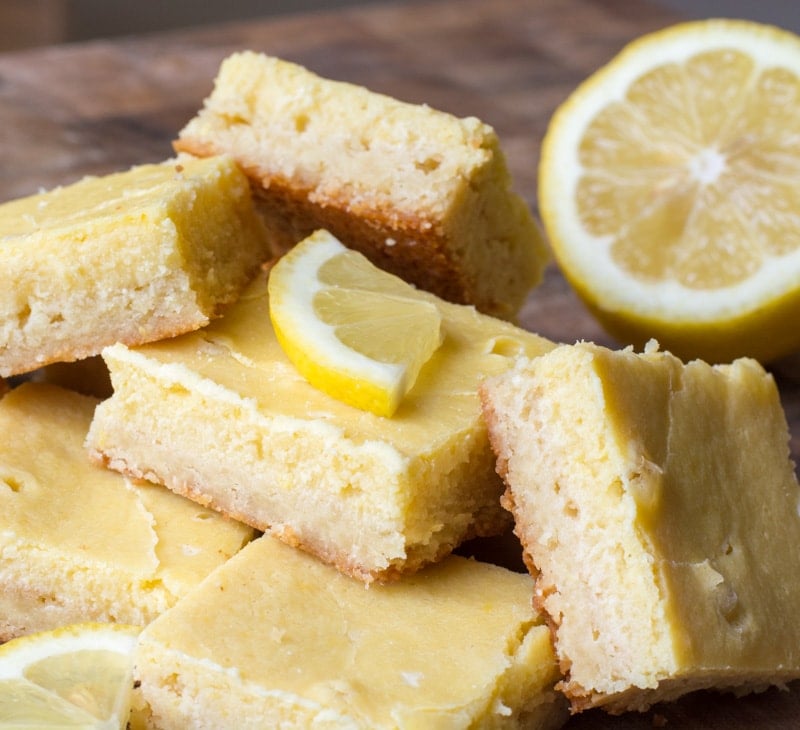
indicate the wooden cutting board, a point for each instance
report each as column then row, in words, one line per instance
column 68, row 111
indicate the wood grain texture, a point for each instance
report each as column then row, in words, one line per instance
column 92, row 108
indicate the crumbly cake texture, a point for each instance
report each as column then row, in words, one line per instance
column 658, row 508
column 222, row 417
column 133, row 256
column 83, row 543
column 277, row 639
column 421, row 193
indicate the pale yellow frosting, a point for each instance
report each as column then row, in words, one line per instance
column 241, row 354
column 275, row 635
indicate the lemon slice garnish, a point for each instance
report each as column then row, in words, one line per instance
column 77, row 676
column 357, row 333
column 668, row 188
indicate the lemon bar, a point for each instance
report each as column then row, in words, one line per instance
column 133, row 256
column 221, row 416
column 659, row 505
column 277, row 639
column 82, row 543
column 421, row 193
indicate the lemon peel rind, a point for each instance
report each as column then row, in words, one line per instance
column 749, row 334
column 778, row 277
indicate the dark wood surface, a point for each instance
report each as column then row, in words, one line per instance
column 92, row 108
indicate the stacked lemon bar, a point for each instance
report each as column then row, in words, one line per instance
column 295, row 450
column 130, row 257
column 380, row 499
column 223, row 416
column 648, row 494
column 207, row 403
column 421, row 193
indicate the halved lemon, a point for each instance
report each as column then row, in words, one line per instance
column 77, row 676
column 352, row 330
column 669, row 186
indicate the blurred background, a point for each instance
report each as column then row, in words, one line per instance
column 29, row 23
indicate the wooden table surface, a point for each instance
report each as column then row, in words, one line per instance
column 67, row 111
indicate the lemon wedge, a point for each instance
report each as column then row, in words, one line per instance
column 77, row 676
column 355, row 332
column 668, row 186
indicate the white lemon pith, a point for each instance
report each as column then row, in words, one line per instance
column 668, row 188
column 353, row 331
column 72, row 677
